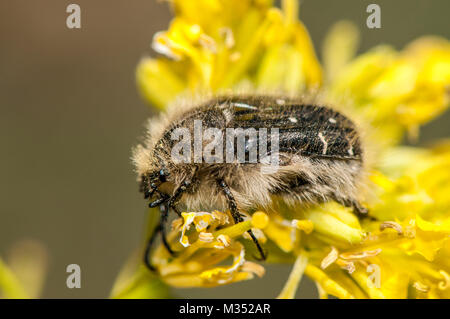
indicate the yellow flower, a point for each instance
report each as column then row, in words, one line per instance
column 394, row 90
column 404, row 252
column 231, row 44
column 22, row 274
column 205, row 246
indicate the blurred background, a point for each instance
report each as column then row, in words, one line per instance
column 70, row 113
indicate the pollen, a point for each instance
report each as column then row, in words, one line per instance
column 202, row 221
column 410, row 230
column 206, row 237
column 221, row 218
column 224, row 241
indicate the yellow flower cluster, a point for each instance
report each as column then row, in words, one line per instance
column 404, row 251
column 194, row 265
column 394, row 90
column 233, row 43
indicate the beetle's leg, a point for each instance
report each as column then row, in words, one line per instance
column 159, row 201
column 359, row 210
column 236, row 215
column 177, row 195
column 184, row 186
column 231, row 201
column 153, row 187
column 148, row 185
column 148, row 248
column 164, row 213
column 159, row 229
column 163, row 219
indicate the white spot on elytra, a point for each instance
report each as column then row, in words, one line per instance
column 325, row 144
column 332, row 120
column 244, row 106
column 293, row 119
column 350, row 151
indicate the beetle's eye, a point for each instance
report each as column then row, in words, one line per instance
column 162, row 176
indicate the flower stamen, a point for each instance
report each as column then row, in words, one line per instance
column 224, row 241
column 421, row 287
column 389, row 224
column 347, row 265
column 361, row 255
column 206, row 237
column 254, row 268
column 306, row 225
column 330, row 258
column 444, row 285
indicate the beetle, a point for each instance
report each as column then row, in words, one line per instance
column 319, row 158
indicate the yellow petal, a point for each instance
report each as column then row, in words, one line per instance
column 327, row 224
column 339, row 48
column 157, row 82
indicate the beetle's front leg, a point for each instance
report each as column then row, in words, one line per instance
column 236, row 215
